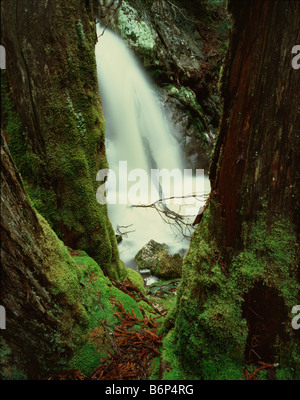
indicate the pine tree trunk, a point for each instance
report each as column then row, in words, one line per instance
column 241, row 274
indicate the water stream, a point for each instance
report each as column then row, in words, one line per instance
column 138, row 140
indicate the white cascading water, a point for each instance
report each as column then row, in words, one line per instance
column 138, row 133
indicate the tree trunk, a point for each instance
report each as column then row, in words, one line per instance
column 258, row 146
column 38, row 334
column 55, row 125
column 240, row 276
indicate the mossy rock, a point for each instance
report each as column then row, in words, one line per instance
column 169, row 267
column 150, row 254
column 154, row 256
column 138, row 33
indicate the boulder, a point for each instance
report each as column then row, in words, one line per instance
column 154, row 256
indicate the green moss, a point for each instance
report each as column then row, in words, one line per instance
column 188, row 98
column 10, row 121
column 208, row 326
column 59, row 161
column 270, row 254
column 59, row 276
column 13, row 130
column 98, row 297
column 87, row 358
column 137, row 33
column 8, row 369
column 154, row 368
column 63, row 275
column 222, row 368
column 173, row 370
column 80, row 30
column 60, row 269
column 194, row 110
column 136, row 279
column 99, row 291
column 84, row 302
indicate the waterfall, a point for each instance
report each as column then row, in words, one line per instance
column 139, row 135
column 131, row 110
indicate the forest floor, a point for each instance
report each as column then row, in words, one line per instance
column 136, row 340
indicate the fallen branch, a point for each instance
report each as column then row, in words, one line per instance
column 181, row 223
column 263, row 365
column 136, row 344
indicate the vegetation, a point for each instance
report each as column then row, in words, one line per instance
column 74, row 311
column 209, row 324
column 59, row 158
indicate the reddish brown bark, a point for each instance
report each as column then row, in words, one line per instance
column 257, row 154
column 250, row 226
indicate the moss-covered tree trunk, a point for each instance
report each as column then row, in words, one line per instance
column 59, row 306
column 52, row 117
column 39, row 286
column 241, row 274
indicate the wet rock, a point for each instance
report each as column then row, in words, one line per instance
column 154, row 257
column 160, row 38
column 193, row 130
column 150, row 254
column 138, row 33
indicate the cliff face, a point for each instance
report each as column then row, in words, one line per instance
column 182, row 45
column 53, row 121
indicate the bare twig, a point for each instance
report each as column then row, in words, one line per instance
column 193, row 195
column 180, row 223
column 123, row 233
column 174, row 7
column 263, row 365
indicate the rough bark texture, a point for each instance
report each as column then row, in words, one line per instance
column 54, row 126
column 39, row 285
column 241, row 274
column 258, row 147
